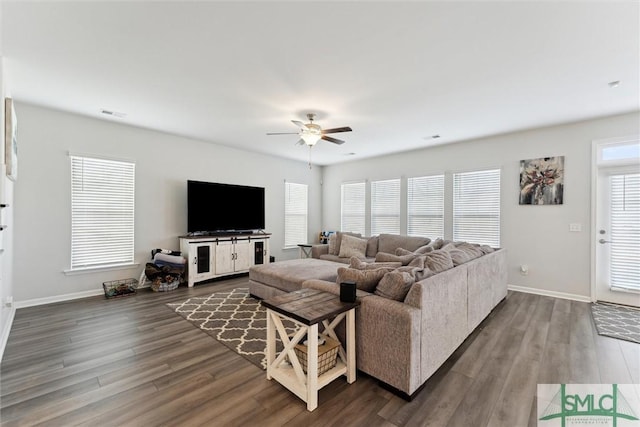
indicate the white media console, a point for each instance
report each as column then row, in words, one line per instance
column 209, row 257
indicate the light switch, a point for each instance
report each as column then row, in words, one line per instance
column 575, row 227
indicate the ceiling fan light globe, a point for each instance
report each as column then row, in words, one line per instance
column 310, row 138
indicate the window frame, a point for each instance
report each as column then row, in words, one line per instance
column 301, row 211
column 97, row 174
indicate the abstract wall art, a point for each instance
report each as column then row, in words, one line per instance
column 542, row 181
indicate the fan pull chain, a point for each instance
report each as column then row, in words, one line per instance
column 310, row 157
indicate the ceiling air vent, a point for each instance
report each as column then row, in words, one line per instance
column 113, row 113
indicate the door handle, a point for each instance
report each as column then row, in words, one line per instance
column 602, row 241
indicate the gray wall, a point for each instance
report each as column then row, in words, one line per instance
column 539, row 236
column 559, row 260
column 164, row 163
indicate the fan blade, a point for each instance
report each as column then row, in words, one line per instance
column 330, row 139
column 282, row 133
column 300, row 142
column 299, row 124
column 336, row 130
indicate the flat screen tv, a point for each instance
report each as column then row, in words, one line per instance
column 215, row 208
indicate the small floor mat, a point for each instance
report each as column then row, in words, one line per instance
column 617, row 321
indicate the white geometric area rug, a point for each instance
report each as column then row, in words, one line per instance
column 617, row 321
column 235, row 319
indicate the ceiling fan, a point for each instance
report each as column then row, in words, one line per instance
column 310, row 133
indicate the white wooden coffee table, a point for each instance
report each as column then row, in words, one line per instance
column 307, row 308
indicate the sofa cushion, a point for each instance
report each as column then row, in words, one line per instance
column 473, row 250
column 435, row 261
column 366, row 280
column 333, row 239
column 288, row 275
column 359, row 264
column 351, row 246
column 420, row 251
column 458, row 256
column 386, row 257
column 390, row 242
column 372, row 247
column 338, row 240
column 395, row 285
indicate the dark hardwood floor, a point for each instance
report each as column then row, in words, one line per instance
column 132, row 361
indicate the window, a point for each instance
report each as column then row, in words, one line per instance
column 385, row 207
column 352, row 216
column 295, row 214
column 476, row 207
column 102, row 212
column 425, row 206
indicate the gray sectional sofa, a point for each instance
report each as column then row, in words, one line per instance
column 402, row 340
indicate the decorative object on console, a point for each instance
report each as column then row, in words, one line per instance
column 324, row 236
column 542, row 181
column 10, row 139
column 348, row 291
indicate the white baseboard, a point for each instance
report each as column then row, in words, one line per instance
column 58, row 298
column 536, row 291
column 5, row 331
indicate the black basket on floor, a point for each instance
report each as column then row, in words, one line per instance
column 120, row 288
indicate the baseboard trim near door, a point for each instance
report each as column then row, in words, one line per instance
column 554, row 294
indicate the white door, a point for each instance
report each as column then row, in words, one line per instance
column 617, row 233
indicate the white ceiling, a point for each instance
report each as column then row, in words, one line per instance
column 229, row 72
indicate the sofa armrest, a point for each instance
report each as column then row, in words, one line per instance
column 443, row 303
column 390, row 350
column 317, row 250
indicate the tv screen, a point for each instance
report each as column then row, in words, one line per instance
column 215, row 207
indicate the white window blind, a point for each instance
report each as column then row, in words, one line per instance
column 425, row 206
column 625, row 231
column 295, row 214
column 385, row 207
column 476, row 207
column 102, row 212
column 352, row 216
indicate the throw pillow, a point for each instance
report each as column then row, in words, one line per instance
column 472, row 250
column 385, row 257
column 438, row 261
column 423, row 250
column 372, row 247
column 458, row 256
column 339, row 235
column 333, row 240
column 486, row 249
column 352, row 246
column 357, row 263
column 366, row 280
column 402, row 251
column 438, row 243
column 420, row 251
column 395, row 285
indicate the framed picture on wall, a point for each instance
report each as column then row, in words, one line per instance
column 10, row 139
column 542, row 181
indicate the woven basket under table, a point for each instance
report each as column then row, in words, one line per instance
column 327, row 355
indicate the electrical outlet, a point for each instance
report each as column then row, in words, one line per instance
column 575, row 227
column 524, row 269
